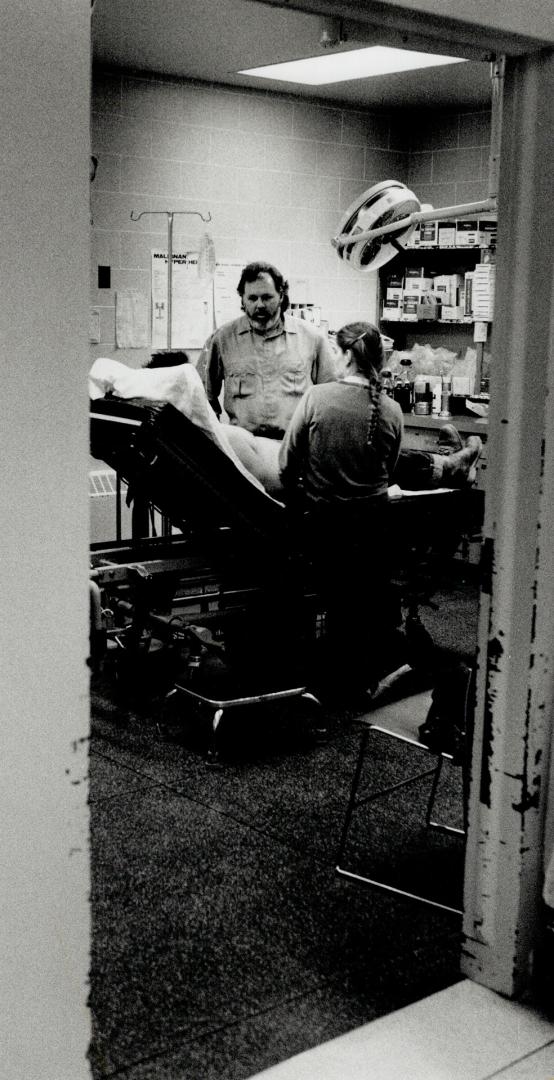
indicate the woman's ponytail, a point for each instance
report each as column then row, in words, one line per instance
column 365, row 344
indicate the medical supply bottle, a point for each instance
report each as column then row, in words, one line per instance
column 423, row 398
column 404, row 388
column 387, row 382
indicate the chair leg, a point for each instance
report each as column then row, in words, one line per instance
column 212, row 757
column 352, row 798
column 319, row 730
column 354, row 803
column 450, row 830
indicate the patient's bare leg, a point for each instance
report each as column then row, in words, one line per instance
column 258, row 454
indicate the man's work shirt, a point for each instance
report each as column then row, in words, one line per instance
column 264, row 377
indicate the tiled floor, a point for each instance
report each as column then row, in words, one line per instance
column 465, row 1032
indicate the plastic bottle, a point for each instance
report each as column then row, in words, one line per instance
column 404, row 390
column 423, row 398
column 387, row 382
column 446, row 390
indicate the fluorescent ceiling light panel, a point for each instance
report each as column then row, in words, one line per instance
column 357, row 64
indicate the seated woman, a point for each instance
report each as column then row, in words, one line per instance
column 344, row 438
column 340, row 451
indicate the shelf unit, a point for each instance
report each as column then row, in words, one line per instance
column 453, row 334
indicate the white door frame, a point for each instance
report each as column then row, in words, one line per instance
column 515, row 693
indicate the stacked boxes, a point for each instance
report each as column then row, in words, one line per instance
column 428, row 234
column 449, row 289
column 416, row 280
column 487, row 230
column 484, row 277
column 416, row 283
column 463, row 232
column 409, row 307
column 468, row 294
column 392, row 303
column 447, row 233
column 453, row 297
column 467, row 232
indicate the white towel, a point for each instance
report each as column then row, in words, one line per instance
column 179, row 386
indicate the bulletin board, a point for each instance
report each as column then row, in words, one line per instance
column 198, row 305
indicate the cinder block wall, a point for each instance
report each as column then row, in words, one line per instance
column 275, row 172
column 448, row 156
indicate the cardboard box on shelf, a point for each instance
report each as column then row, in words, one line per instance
column 416, row 280
column 417, row 286
column 468, row 292
column 448, row 288
column 484, row 277
column 392, row 311
column 487, row 230
column 393, row 287
column 447, row 233
column 467, row 232
column 415, row 272
column 441, row 288
column 428, row 234
column 409, row 307
column 452, row 312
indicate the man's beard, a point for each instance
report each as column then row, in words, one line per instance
column 269, row 323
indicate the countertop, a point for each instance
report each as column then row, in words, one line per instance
column 473, row 425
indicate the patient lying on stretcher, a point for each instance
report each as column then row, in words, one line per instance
column 180, row 385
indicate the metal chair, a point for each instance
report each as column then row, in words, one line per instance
column 399, row 722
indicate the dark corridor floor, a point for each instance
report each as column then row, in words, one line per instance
column 222, row 940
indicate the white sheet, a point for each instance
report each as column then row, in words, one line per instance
column 179, row 386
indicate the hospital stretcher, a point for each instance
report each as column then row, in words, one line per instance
column 234, row 559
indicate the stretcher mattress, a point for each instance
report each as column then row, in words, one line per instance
column 173, row 464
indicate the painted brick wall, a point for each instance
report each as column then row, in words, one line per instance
column 275, row 172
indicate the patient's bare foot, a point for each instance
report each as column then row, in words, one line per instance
column 458, row 469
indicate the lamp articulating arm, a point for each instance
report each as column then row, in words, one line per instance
column 401, row 224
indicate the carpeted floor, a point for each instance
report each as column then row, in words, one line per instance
column 223, row 942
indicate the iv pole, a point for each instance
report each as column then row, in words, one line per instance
column 169, row 214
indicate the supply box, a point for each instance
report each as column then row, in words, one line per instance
column 416, row 280
column 484, row 278
column 447, row 233
column 448, row 288
column 392, row 310
column 467, row 232
column 394, row 287
column 428, row 234
column 487, row 230
column 409, row 307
